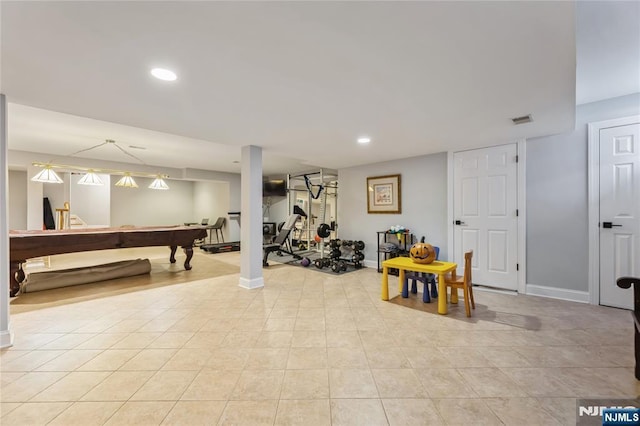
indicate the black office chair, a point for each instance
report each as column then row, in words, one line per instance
column 218, row 227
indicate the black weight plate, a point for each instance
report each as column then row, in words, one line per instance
column 324, row 230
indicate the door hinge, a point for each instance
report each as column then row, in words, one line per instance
column 517, row 266
column 517, row 158
column 517, row 213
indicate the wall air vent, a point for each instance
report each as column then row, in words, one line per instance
column 522, row 120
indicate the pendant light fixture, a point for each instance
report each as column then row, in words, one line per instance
column 127, row 181
column 159, row 183
column 47, row 175
column 90, row 178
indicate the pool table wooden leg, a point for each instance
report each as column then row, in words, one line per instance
column 172, row 257
column 189, row 252
column 16, row 276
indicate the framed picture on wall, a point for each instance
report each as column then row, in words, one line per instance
column 383, row 194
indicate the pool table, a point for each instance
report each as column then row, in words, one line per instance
column 24, row 245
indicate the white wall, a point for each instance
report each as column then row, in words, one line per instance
column 178, row 209
column 275, row 209
column 140, row 206
column 57, row 193
column 424, row 201
column 557, row 199
column 17, row 199
column 91, row 203
column 232, row 232
column 233, row 179
column 211, row 200
column 151, row 207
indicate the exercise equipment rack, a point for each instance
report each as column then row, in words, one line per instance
column 318, row 185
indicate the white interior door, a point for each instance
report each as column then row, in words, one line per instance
column 619, row 212
column 485, row 214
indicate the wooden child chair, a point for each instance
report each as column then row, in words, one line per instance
column 463, row 282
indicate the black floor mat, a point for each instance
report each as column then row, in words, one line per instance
column 312, row 256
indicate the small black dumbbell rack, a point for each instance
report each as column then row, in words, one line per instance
column 341, row 254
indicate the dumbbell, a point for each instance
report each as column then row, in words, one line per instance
column 335, row 253
column 318, row 263
column 357, row 257
column 342, row 264
column 358, row 245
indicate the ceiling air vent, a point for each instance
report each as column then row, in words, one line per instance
column 522, row 120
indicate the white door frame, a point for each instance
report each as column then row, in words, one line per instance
column 522, row 211
column 593, row 138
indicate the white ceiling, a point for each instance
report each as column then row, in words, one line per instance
column 607, row 49
column 301, row 79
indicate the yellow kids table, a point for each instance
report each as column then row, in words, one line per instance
column 439, row 268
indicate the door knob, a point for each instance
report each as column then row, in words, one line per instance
column 609, row 225
column 458, row 222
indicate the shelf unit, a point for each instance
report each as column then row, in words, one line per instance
column 404, row 244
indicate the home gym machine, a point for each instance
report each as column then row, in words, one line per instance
column 315, row 193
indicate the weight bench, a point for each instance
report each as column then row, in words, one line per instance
column 626, row 282
column 281, row 244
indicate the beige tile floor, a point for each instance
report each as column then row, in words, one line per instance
column 308, row 349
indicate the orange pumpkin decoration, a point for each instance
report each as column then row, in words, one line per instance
column 422, row 253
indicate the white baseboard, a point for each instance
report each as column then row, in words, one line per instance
column 494, row 290
column 6, row 338
column 251, row 283
column 370, row 264
column 558, row 293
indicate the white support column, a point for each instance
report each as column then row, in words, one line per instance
column 6, row 336
column 251, row 218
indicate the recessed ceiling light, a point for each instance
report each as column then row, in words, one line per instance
column 236, row 162
column 163, row 74
column 364, row 140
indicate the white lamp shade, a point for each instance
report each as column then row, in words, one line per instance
column 127, row 182
column 90, row 178
column 159, row 183
column 47, row 175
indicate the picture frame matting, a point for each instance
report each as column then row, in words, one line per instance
column 384, row 194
